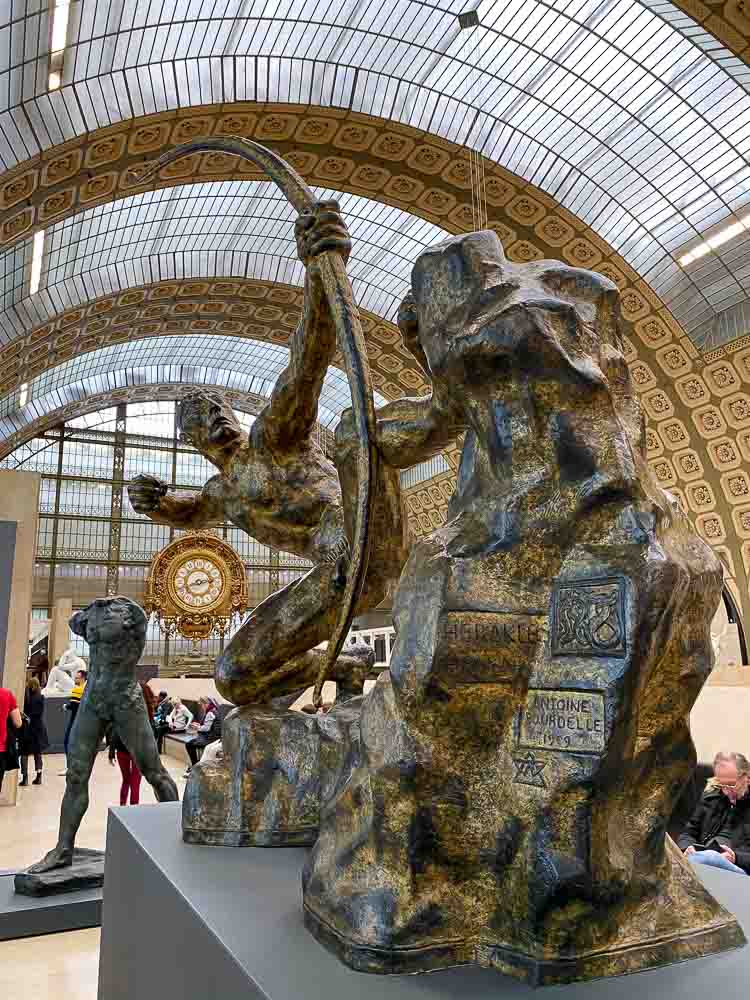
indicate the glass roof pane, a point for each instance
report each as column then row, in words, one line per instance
column 221, row 228
column 247, row 365
column 593, row 100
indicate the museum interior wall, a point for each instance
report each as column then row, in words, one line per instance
column 19, row 504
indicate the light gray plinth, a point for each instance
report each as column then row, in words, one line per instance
column 186, row 921
column 27, row 916
column 56, row 720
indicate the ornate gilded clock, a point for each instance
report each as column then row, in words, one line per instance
column 196, row 586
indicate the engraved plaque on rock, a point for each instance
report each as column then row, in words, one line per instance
column 563, row 720
column 488, row 645
column 588, row 618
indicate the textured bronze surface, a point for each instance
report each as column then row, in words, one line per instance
column 508, row 798
column 276, row 484
column 331, row 269
column 86, row 871
column 266, row 787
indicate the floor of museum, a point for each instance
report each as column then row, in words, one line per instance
column 70, row 961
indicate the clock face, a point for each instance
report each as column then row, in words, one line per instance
column 198, row 583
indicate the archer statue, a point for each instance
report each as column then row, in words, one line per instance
column 276, row 484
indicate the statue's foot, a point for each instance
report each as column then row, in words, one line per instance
column 352, row 668
column 58, row 857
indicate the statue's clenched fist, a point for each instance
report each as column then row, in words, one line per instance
column 322, row 228
column 145, row 493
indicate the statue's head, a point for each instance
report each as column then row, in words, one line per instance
column 207, row 422
column 516, row 330
column 466, row 284
column 114, row 621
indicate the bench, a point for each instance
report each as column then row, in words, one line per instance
column 178, row 740
column 177, row 749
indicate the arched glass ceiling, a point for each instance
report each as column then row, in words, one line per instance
column 245, row 365
column 224, row 228
column 625, row 111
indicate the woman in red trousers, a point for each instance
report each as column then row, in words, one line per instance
column 131, row 776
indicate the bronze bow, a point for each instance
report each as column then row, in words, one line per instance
column 351, row 343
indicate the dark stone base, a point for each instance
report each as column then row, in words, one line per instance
column 235, row 920
column 265, row 786
column 304, row 837
column 534, row 972
column 32, row 916
column 86, row 872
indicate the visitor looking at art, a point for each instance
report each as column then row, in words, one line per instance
column 131, row 775
column 718, row 832
column 33, row 739
column 161, row 719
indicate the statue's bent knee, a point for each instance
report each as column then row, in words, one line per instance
column 232, row 682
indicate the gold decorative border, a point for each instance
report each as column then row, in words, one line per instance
column 251, row 309
column 159, row 596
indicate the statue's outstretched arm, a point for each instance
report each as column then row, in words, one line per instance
column 409, row 430
column 292, row 411
column 149, row 495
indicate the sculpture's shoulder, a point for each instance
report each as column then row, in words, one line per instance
column 216, row 486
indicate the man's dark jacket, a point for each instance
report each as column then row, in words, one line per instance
column 714, row 816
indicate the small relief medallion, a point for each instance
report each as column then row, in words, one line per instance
column 588, row 618
column 528, row 770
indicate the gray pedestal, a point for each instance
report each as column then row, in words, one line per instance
column 26, row 916
column 183, row 920
column 56, row 719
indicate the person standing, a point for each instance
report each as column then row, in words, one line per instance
column 718, row 832
column 72, row 706
column 9, row 716
column 34, row 738
column 131, row 776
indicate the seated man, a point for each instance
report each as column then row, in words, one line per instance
column 718, row 832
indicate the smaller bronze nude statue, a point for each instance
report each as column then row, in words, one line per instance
column 115, row 629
